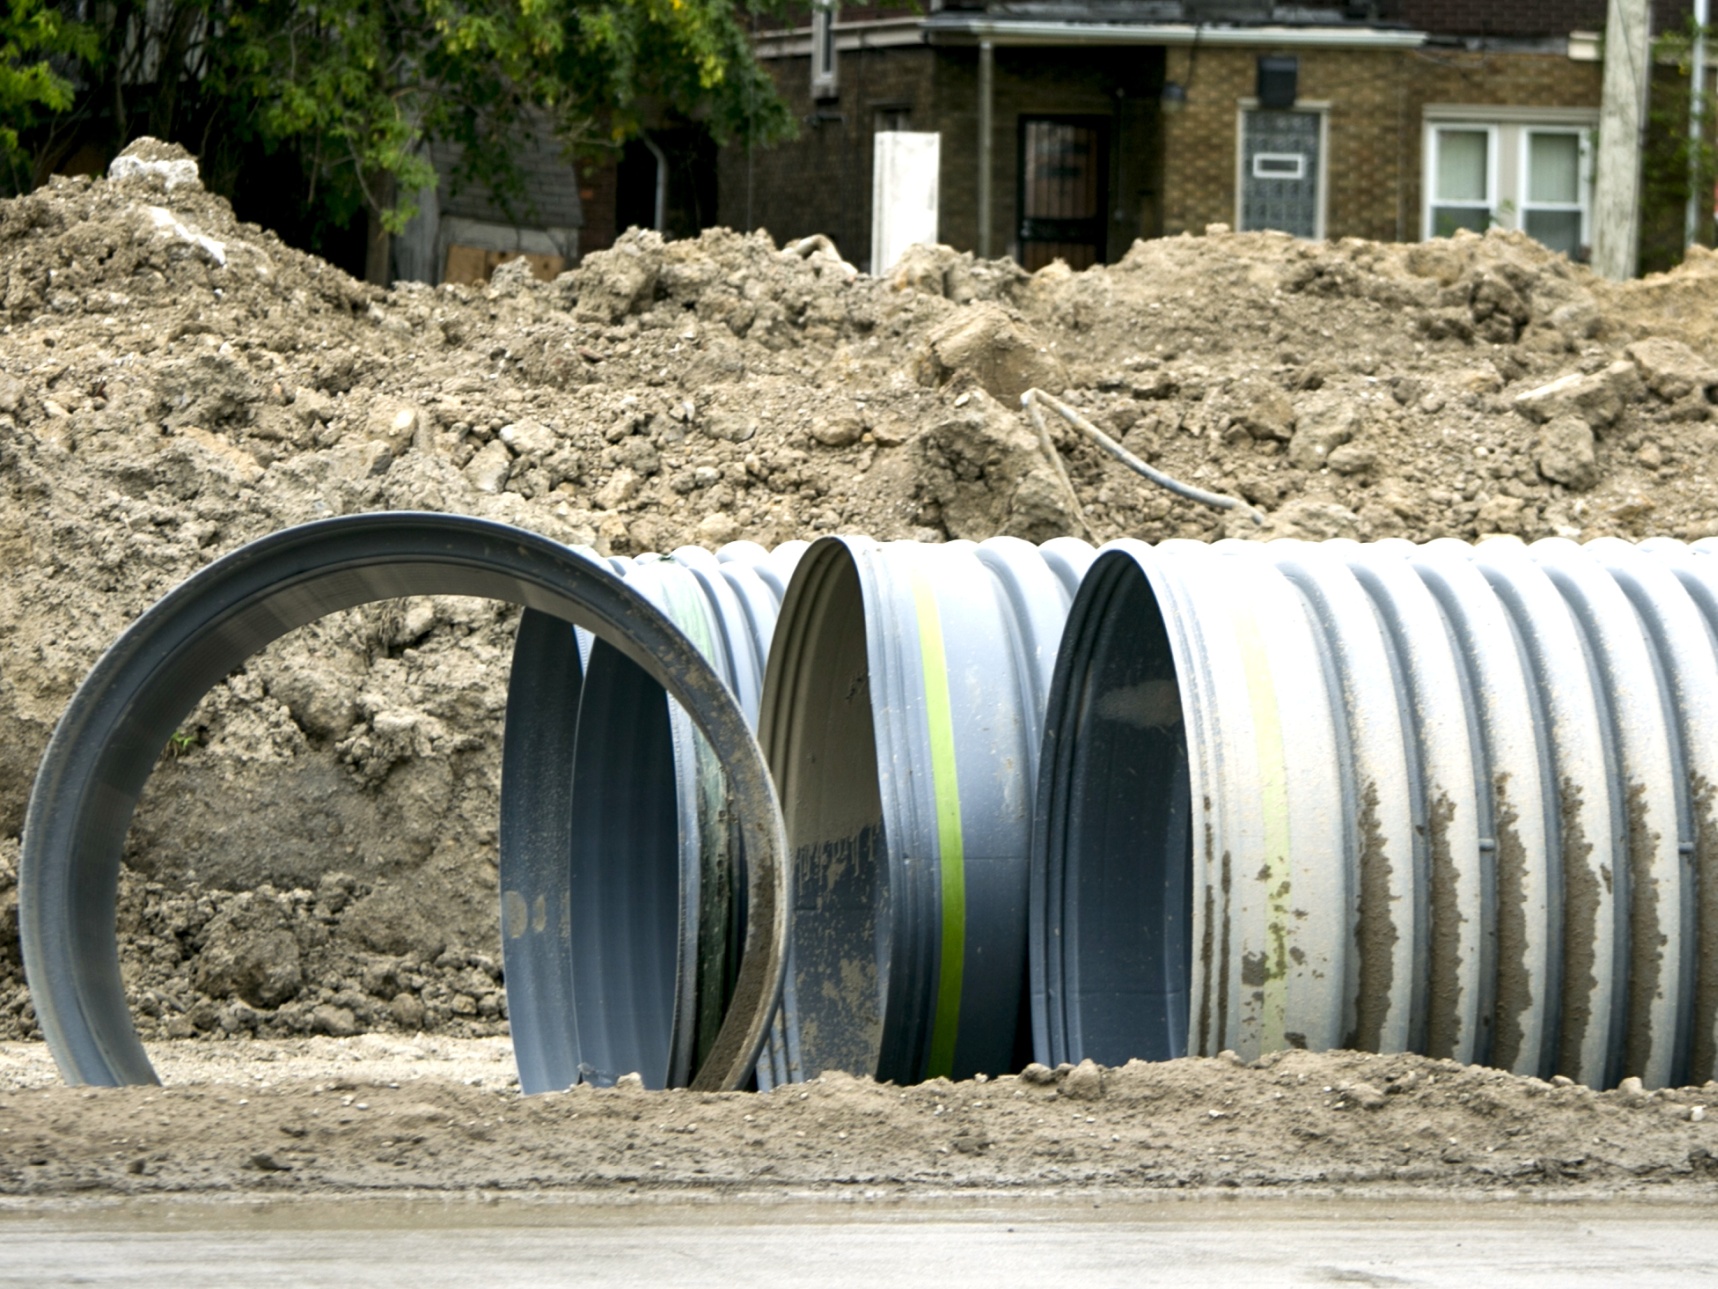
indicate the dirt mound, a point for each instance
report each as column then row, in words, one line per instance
column 375, row 1114
column 174, row 383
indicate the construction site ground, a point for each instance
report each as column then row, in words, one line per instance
column 307, row 917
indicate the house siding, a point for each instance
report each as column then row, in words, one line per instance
column 1377, row 101
column 821, row 181
column 1169, row 173
column 1119, row 87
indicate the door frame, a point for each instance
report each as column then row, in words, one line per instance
column 1102, row 126
column 1320, row 107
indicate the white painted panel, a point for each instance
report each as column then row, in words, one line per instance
column 903, row 193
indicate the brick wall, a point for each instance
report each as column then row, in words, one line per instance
column 1169, row 174
column 1526, row 17
column 1376, row 108
column 1118, row 87
column 821, row 181
column 1505, row 18
column 1541, row 80
column 596, row 196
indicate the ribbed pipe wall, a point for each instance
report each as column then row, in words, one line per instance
column 1041, row 803
column 902, row 711
column 621, row 871
column 1446, row 799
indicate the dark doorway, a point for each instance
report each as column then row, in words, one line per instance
column 689, row 197
column 1064, row 190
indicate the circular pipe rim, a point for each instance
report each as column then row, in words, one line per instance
column 109, row 737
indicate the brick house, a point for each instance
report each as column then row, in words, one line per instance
column 1071, row 127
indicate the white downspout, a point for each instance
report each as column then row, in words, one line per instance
column 661, row 181
column 1696, row 113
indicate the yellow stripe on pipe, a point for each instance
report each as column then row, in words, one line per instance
column 939, row 717
column 1273, row 811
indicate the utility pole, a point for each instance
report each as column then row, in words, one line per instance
column 1616, row 201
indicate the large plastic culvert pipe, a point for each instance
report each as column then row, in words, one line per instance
column 902, row 711
column 615, row 817
column 111, row 734
column 1509, row 743
column 1189, row 745
column 1686, row 645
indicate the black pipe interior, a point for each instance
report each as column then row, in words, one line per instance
column 1128, row 890
column 625, row 907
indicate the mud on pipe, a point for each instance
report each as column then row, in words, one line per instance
column 1446, row 799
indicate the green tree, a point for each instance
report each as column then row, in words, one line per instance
column 352, row 90
column 1674, row 163
column 32, row 33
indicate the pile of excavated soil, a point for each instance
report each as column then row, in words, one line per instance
column 377, row 1114
column 315, row 853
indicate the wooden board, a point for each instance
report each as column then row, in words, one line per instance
column 472, row 265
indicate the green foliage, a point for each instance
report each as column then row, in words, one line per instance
column 353, row 89
column 363, row 83
column 1673, row 162
column 31, row 33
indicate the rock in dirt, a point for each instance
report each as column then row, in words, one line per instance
column 250, row 953
column 611, row 284
column 1085, row 1082
column 994, row 347
column 1266, row 412
column 163, row 165
column 1597, row 398
column 1323, row 423
column 987, row 474
column 1671, row 369
column 1313, row 521
column 1501, row 516
column 1565, row 452
column 955, row 275
column 1364, row 1095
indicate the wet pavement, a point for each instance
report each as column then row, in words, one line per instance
column 829, row 1245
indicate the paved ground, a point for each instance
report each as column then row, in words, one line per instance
column 827, row 1245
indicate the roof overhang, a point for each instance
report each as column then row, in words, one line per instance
column 947, row 28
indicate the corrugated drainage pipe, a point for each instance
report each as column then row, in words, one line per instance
column 111, row 734
column 902, row 709
column 1445, row 799
column 621, row 875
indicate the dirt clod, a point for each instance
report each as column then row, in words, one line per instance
column 1085, row 1082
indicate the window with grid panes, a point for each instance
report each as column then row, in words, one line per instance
column 1515, row 172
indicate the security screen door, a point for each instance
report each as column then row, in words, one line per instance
column 1064, row 173
column 1279, row 172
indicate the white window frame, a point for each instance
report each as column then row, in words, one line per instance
column 825, row 58
column 1295, row 169
column 1583, row 177
column 1510, row 127
column 1322, row 108
column 1493, row 205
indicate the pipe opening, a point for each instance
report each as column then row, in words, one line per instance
column 625, row 919
column 823, row 751
column 1124, row 835
column 106, row 742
